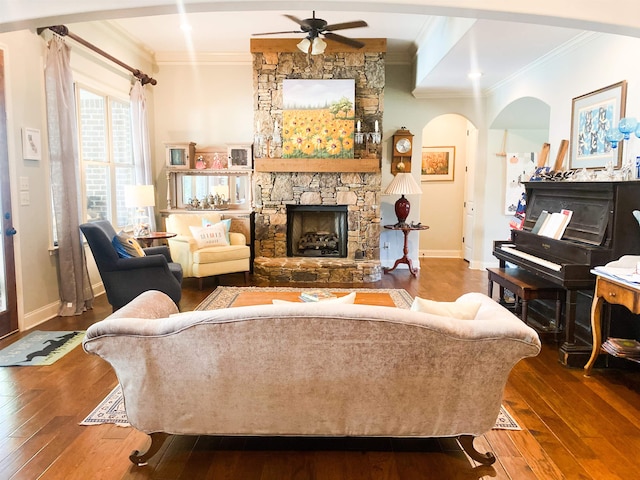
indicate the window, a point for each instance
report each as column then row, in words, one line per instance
column 106, row 156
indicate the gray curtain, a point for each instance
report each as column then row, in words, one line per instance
column 76, row 294
column 140, row 138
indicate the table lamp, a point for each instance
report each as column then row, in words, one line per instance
column 403, row 184
column 140, row 197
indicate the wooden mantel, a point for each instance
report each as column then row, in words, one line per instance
column 362, row 165
column 288, row 45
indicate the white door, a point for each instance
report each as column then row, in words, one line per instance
column 469, row 211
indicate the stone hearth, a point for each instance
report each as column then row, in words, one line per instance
column 270, row 271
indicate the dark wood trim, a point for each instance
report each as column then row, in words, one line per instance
column 289, row 45
column 367, row 165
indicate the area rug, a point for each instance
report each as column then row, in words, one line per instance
column 40, row 348
column 111, row 410
column 222, row 297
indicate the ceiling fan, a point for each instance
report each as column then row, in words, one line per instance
column 314, row 27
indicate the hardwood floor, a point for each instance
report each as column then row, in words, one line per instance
column 573, row 427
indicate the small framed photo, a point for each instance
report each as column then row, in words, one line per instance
column 240, row 156
column 31, row 145
column 592, row 116
column 437, row 164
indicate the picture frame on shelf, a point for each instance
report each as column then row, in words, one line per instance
column 437, row 164
column 240, row 157
column 592, row 115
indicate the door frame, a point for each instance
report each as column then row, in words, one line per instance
column 8, row 317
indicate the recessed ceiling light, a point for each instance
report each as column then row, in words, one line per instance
column 474, row 75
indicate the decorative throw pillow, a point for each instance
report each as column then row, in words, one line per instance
column 213, row 236
column 349, row 298
column 226, row 223
column 127, row 246
column 460, row 310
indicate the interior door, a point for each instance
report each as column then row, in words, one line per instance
column 469, row 207
column 8, row 300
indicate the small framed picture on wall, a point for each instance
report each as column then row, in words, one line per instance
column 437, row 163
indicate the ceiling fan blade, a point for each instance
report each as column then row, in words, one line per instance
column 277, row 33
column 345, row 25
column 302, row 23
column 347, row 41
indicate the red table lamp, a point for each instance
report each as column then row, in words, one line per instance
column 403, row 184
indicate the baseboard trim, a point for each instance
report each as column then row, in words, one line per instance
column 440, row 253
column 41, row 315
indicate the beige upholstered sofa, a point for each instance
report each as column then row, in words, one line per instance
column 301, row 369
column 201, row 262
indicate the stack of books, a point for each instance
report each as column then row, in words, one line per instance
column 622, row 347
column 316, row 296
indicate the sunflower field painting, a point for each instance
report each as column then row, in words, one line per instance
column 318, row 118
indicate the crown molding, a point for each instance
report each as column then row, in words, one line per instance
column 203, row 58
column 566, row 48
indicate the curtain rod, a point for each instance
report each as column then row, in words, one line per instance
column 63, row 31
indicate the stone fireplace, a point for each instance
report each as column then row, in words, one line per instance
column 280, row 186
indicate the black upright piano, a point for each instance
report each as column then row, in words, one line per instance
column 602, row 229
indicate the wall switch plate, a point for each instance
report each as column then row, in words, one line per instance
column 24, row 199
column 24, row 183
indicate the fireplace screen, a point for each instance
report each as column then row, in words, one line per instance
column 316, row 231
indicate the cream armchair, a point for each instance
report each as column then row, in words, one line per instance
column 201, row 262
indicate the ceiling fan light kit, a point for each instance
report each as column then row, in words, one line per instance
column 314, row 27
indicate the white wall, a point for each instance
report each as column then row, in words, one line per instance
column 211, row 105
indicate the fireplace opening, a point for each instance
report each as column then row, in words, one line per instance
column 317, row 231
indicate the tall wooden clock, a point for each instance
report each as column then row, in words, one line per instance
column 402, row 150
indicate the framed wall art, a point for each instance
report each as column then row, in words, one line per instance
column 437, row 164
column 592, row 116
column 31, row 144
column 318, row 118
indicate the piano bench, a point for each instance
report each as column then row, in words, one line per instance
column 525, row 286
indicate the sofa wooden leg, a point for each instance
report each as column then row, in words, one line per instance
column 466, row 442
column 141, row 458
column 200, row 283
column 246, row 278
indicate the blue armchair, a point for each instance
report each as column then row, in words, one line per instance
column 126, row 278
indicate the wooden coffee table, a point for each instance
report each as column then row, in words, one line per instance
column 264, row 298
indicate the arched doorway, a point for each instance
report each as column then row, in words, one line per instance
column 446, row 204
column 526, row 123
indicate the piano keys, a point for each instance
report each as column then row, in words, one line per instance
column 602, row 229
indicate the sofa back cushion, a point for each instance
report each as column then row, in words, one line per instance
column 459, row 310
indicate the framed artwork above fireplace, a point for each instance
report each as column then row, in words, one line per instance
column 318, row 118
